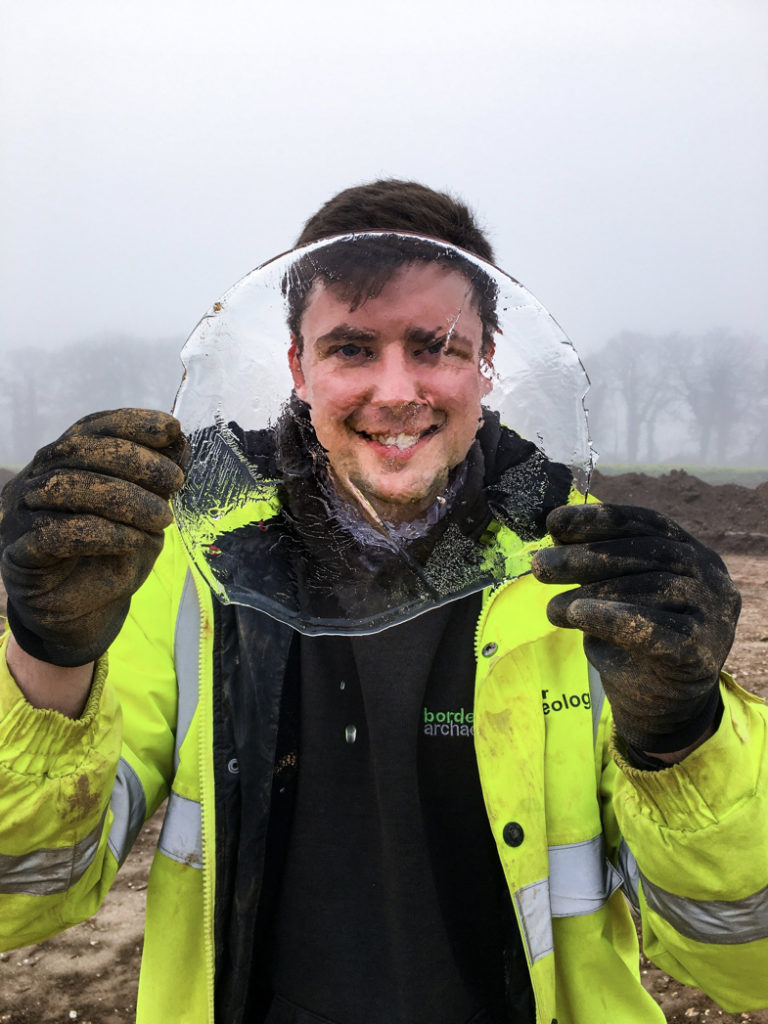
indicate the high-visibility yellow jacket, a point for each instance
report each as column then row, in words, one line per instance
column 574, row 824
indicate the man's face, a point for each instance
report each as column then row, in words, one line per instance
column 394, row 387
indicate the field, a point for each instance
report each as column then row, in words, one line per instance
column 89, row 974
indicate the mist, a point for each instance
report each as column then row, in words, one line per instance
column 615, row 152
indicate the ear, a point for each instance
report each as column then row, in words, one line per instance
column 294, row 362
column 486, row 368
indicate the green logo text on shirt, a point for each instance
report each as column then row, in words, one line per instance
column 449, row 723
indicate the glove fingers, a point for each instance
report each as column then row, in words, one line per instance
column 57, row 537
column 112, row 456
column 670, row 639
column 587, row 563
column 639, row 703
column 580, row 524
column 99, row 495
column 179, row 452
column 75, row 587
column 148, row 427
column 668, row 591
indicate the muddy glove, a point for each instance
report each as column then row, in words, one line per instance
column 81, row 527
column 658, row 610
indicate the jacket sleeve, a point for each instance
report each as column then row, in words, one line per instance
column 75, row 793
column 695, row 844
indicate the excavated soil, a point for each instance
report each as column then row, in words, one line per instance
column 730, row 518
column 89, row 974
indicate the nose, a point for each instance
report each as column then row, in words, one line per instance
column 396, row 378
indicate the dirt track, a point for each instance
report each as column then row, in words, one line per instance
column 89, row 974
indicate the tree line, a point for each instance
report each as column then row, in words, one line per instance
column 44, row 391
column 680, row 399
column 676, row 398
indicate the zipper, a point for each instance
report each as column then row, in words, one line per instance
column 204, row 748
column 489, row 596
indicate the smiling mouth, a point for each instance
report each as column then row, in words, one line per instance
column 402, row 441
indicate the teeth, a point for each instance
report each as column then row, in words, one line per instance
column 401, row 441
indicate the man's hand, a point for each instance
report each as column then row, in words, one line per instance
column 81, row 527
column 658, row 610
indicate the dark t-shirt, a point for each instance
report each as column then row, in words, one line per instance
column 391, row 904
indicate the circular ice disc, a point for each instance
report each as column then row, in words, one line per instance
column 379, row 424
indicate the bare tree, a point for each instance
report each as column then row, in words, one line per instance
column 631, row 389
column 716, row 376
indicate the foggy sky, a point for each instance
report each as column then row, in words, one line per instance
column 153, row 153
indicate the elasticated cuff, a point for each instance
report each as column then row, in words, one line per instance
column 706, row 786
column 42, row 741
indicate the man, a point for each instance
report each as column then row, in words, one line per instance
column 326, row 854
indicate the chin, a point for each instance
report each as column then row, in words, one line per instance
column 401, row 507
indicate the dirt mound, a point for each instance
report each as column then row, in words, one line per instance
column 729, row 517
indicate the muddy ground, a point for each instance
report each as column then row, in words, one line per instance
column 89, row 974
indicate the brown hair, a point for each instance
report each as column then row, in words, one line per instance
column 360, row 268
column 394, row 205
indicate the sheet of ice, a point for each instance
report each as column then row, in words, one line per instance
column 261, row 512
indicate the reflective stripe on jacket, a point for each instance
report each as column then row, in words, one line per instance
column 73, row 799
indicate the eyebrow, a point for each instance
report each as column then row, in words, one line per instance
column 346, row 333
column 349, row 334
column 422, row 336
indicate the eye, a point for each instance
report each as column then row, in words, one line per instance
column 433, row 349
column 352, row 353
column 349, row 351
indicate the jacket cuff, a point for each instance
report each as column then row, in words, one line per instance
column 706, row 785
column 684, row 823
column 35, row 740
